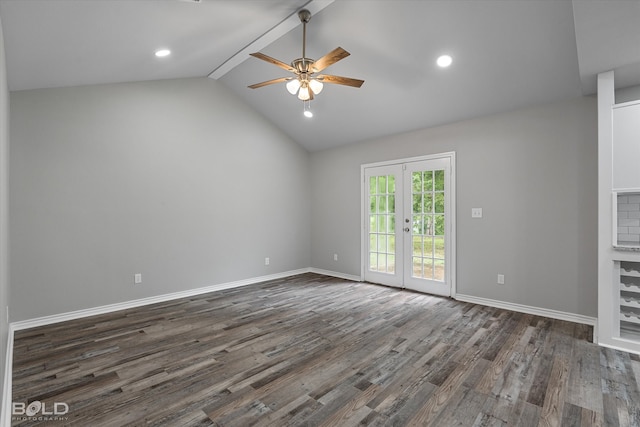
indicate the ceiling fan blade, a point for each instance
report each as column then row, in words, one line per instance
column 330, row 58
column 347, row 81
column 273, row 61
column 270, row 82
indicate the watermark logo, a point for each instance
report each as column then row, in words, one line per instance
column 39, row 411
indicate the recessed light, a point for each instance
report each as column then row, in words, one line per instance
column 444, row 61
column 162, row 53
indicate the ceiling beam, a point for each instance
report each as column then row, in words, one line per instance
column 291, row 22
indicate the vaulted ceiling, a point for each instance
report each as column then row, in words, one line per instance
column 506, row 54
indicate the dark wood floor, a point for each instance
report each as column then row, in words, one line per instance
column 313, row 350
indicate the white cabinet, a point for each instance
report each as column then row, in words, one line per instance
column 626, row 146
column 618, row 219
column 629, row 282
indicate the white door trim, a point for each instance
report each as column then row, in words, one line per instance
column 451, row 155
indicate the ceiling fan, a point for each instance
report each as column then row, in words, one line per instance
column 306, row 83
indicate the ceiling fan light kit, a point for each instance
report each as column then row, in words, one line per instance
column 307, row 83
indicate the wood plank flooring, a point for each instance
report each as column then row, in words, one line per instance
column 318, row 351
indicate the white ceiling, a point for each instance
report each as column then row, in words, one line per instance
column 507, row 54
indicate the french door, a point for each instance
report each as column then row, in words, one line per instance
column 408, row 223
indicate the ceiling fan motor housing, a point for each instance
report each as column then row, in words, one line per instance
column 303, row 65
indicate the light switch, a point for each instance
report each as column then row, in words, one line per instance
column 476, row 212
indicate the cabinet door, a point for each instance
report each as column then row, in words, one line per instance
column 626, row 147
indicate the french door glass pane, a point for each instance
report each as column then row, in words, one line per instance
column 382, row 185
column 382, row 204
column 439, row 206
column 382, row 243
column 438, row 183
column 438, row 272
column 428, row 268
column 438, row 225
column 428, row 247
column 417, row 267
column 438, row 247
column 391, row 263
column 428, row 180
column 428, row 201
column 391, row 225
column 382, row 224
column 417, row 245
column 382, row 262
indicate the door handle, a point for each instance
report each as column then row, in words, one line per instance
column 407, row 229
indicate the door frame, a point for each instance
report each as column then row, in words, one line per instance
column 451, row 156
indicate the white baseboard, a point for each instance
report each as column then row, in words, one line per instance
column 335, row 274
column 48, row 320
column 626, row 347
column 545, row 312
column 63, row 317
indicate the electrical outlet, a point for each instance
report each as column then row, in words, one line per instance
column 476, row 212
column 137, row 278
column 335, row 257
column 500, row 279
column 266, row 261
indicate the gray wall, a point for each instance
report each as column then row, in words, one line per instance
column 182, row 182
column 4, row 199
column 534, row 173
column 178, row 180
